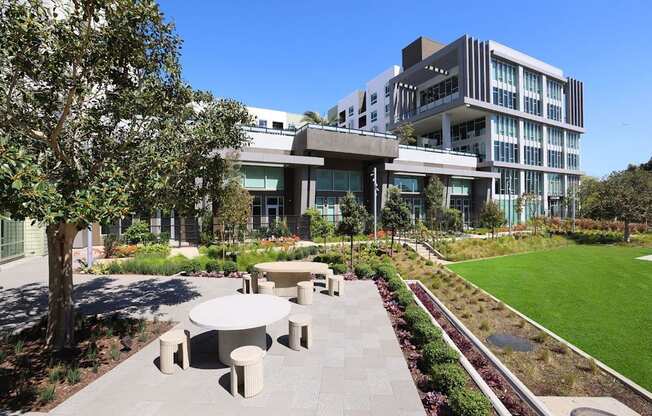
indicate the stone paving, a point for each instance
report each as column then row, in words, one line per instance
column 355, row 367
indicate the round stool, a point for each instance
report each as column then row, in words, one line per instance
column 335, row 283
column 246, row 284
column 176, row 340
column 299, row 328
column 265, row 287
column 247, row 370
column 304, row 292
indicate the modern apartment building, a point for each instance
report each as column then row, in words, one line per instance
column 274, row 119
column 367, row 109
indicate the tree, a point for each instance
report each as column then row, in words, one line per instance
column 452, row 220
column 492, row 216
column 591, row 198
column 319, row 226
column 96, row 122
column 406, row 134
column 434, row 195
column 313, row 117
column 395, row 215
column 354, row 217
column 628, row 197
column 519, row 205
column 234, row 207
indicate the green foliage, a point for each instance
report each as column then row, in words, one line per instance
column 233, row 205
column 18, row 347
column 475, row 248
column 434, row 197
column 448, row 377
column 138, row 233
column 161, row 250
column 153, row 265
column 437, row 352
column 595, row 237
column 404, row 297
column 73, row 375
column 320, row 227
column 55, row 373
column 114, row 352
column 395, row 215
column 424, row 332
column 339, row 268
column 386, row 271
column 406, row 134
column 47, row 393
column 111, row 241
column 213, row 265
column 492, row 216
column 363, row 271
column 415, row 314
column 330, row 258
column 230, row 267
column 465, row 402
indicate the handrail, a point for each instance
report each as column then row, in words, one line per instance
column 256, row 129
column 433, row 150
column 348, row 130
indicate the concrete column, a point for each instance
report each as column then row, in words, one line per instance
column 544, row 145
column 306, row 188
column 490, row 123
column 544, row 96
column 520, row 89
column 564, row 150
column 521, row 152
column 545, row 193
column 447, row 143
column 155, row 222
column 173, row 234
column 521, row 191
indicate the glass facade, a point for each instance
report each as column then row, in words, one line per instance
column 532, row 131
column 531, row 81
column 555, row 159
column 573, row 140
column 506, row 126
column 505, row 98
column 505, row 152
column 408, row 183
column 262, row 178
column 439, row 91
column 509, row 182
column 555, row 136
column 533, row 155
column 555, row 91
column 468, row 130
column 554, row 112
column 573, row 161
column 532, row 106
column 459, row 186
column 555, row 185
column 339, row 180
column 503, row 72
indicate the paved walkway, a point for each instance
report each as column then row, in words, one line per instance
column 356, row 366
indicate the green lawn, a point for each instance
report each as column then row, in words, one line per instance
column 597, row 297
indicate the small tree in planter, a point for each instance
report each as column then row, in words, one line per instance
column 434, row 195
column 492, row 216
column 234, row 207
column 354, row 218
column 319, row 226
column 395, row 215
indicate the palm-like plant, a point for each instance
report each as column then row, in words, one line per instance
column 313, row 117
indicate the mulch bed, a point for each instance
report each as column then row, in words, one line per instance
column 29, row 372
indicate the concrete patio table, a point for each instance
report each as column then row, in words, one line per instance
column 240, row 320
column 286, row 274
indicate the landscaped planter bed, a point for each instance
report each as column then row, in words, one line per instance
column 31, row 379
column 550, row 369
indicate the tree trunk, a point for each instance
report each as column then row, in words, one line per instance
column 391, row 246
column 60, row 325
column 351, row 252
column 626, row 231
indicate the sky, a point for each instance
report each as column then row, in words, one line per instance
column 304, row 55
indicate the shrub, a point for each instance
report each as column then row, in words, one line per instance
column 429, row 263
column 215, row 251
column 339, row 268
column 395, row 283
column 55, row 374
column 437, row 352
column 73, row 375
column 161, row 250
column 464, row 402
column 414, row 314
column 213, row 265
column 363, row 271
column 164, row 238
column 230, row 267
column 47, row 394
column 424, row 332
column 110, row 244
column 386, row 271
column 137, row 233
column 282, row 256
column 404, row 297
column 448, row 377
column 125, row 251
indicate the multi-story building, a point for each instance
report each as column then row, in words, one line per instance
column 274, row 119
column 522, row 118
column 367, row 109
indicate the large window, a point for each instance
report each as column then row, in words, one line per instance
column 573, row 161
column 339, row 180
column 505, row 98
column 387, row 90
column 362, row 121
column 532, row 106
column 532, row 131
column 468, row 129
column 531, row 81
column 459, row 186
column 503, row 72
column 439, row 91
column 533, row 182
column 554, row 112
column 374, row 116
column 533, row 155
column 408, row 183
column 373, row 98
column 555, row 136
column 509, row 182
column 554, row 90
column 555, row 159
column 573, row 140
column 555, row 187
column 329, row 206
column 262, row 178
column 505, row 152
column 351, row 111
column 506, row 126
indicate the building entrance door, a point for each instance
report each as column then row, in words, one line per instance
column 274, row 207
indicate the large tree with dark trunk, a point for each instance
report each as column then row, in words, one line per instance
column 96, row 122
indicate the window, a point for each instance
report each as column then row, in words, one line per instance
column 554, row 90
column 342, row 116
column 338, row 180
column 374, row 116
column 554, row 184
column 458, row 186
column 408, row 183
column 533, row 155
column 503, row 72
column 555, row 136
column 387, row 90
column 277, row 125
column 555, row 159
column 506, row 126
column 362, row 121
column 262, row 178
column 438, row 91
column 573, row 161
column 508, row 184
column 532, row 106
column 505, row 98
column 572, row 140
column 373, row 98
column 532, row 131
column 262, row 123
column 532, row 81
column 351, row 111
column 533, row 182
column 468, row 129
column 505, row 152
column 554, row 112
column 386, row 108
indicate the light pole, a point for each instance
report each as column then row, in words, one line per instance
column 374, row 176
column 89, row 246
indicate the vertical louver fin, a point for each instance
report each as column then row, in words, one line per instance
column 575, row 102
column 477, row 70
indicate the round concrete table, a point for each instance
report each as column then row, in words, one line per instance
column 240, row 320
column 286, row 274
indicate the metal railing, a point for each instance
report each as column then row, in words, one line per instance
column 434, row 150
column 349, row 131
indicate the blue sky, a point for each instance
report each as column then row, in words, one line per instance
column 300, row 55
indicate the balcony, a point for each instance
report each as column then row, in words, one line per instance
column 359, row 144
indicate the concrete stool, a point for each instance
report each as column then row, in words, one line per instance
column 304, row 292
column 266, row 288
column 247, row 370
column 175, row 340
column 300, row 329
column 246, row 284
column 335, row 283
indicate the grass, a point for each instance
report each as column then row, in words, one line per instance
column 475, row 248
column 597, row 297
